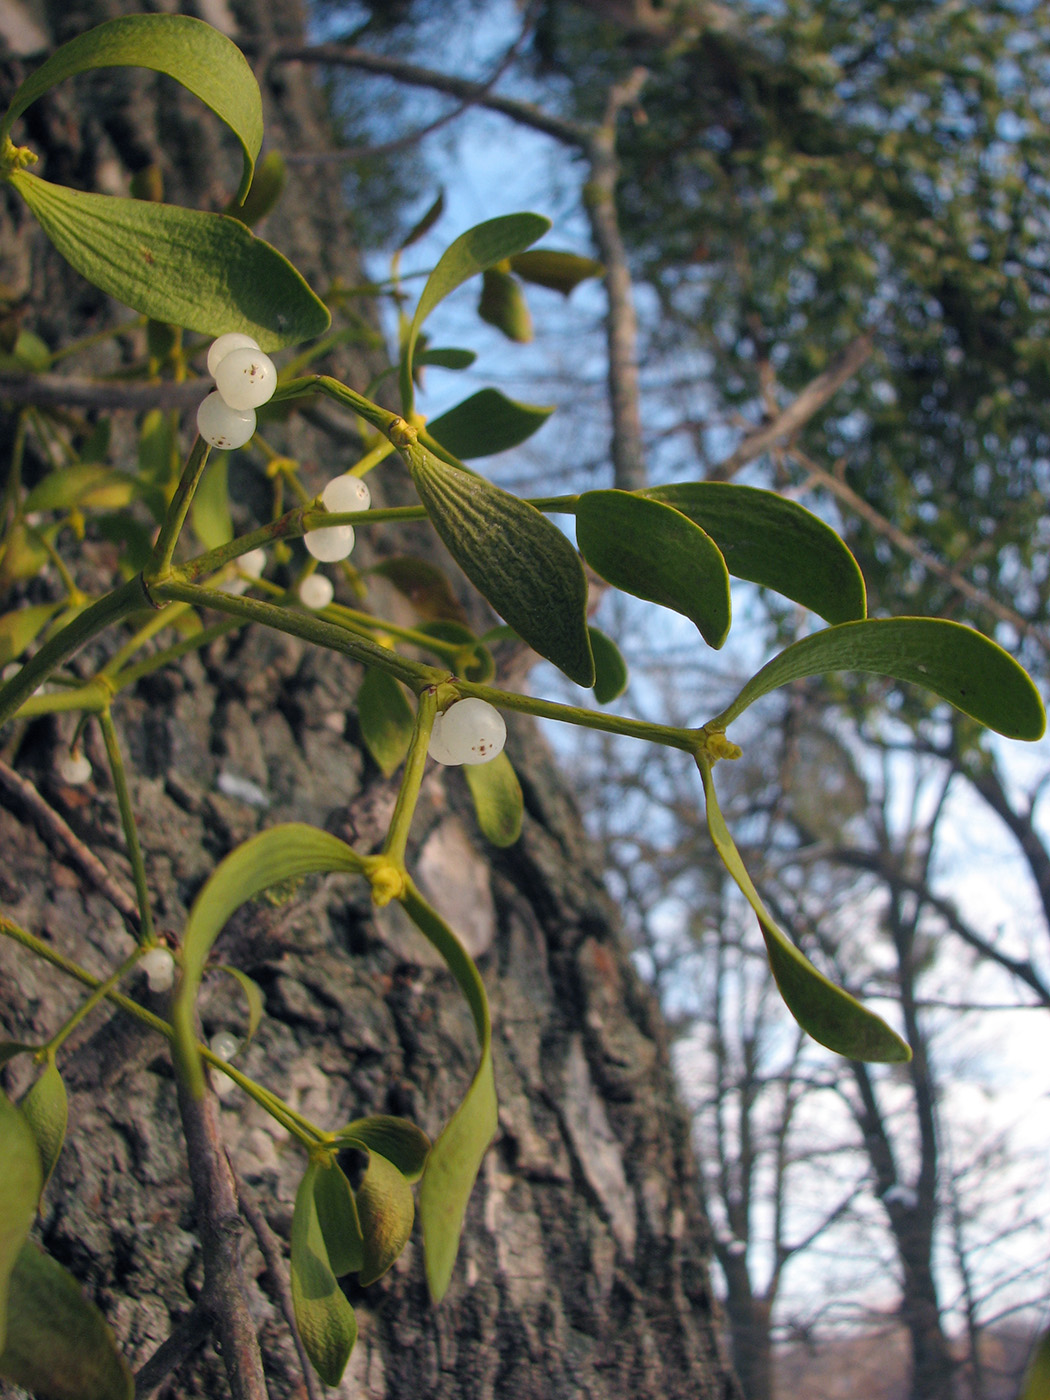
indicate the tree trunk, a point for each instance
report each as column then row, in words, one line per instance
column 584, row 1264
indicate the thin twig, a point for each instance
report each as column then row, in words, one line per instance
column 65, row 843
column 219, row 1225
column 896, row 536
column 414, row 75
column 801, row 409
column 189, row 1336
column 413, row 138
column 62, row 391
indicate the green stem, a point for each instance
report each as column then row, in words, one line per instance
column 265, row 1098
column 312, row 629
column 688, row 740
column 100, row 993
column 96, row 695
column 408, row 794
column 128, row 598
column 149, row 664
column 127, row 818
column 380, row 418
column 159, row 565
column 156, row 624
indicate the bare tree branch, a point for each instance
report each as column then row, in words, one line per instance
column 801, row 409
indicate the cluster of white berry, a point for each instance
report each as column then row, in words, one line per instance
column 334, row 542
column 245, row 378
column 470, row 731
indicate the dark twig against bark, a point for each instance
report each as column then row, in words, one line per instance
column 219, row 1226
column 20, row 794
column 60, row 391
column 190, row 1335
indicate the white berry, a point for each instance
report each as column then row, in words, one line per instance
column 222, row 425
column 438, row 748
column 346, row 493
column 74, row 768
column 232, row 340
column 471, row 731
column 246, row 378
column 316, row 591
column 159, row 967
column 332, row 543
column 252, row 563
column 224, row 1045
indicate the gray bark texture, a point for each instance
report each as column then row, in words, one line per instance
column 584, row 1264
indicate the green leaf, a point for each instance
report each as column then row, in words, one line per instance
column 210, row 507
column 203, row 271
column 386, row 719
column 610, row 669
column 324, row 1318
column 503, row 305
column 59, row 1345
column 515, row 557
column 396, row 1139
column 282, row 853
column 19, row 628
column 386, row 1211
column 455, row 1157
column 653, row 551
column 955, row 662
column 824, row 1011
column 446, row 357
column 339, row 1221
column 470, row 254
column 271, row 176
column 497, row 797
column 1037, row 1377
column 87, row 484
column 46, row 1110
column 424, row 585
column 20, row 1182
column 193, row 53
column 772, row 541
column 486, row 423
column 423, row 225
column 253, row 995
column 561, row 272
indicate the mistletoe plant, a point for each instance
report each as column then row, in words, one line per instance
column 675, row 546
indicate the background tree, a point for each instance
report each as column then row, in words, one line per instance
column 587, row 1269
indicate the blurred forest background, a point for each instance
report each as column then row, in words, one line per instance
column 827, row 272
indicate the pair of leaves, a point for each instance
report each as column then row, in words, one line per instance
column 289, row 852
column 194, row 269
column 472, row 252
column 503, row 303
column 677, row 545
column 337, row 1230
column 955, row 663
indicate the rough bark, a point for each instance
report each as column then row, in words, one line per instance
column 584, row 1265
